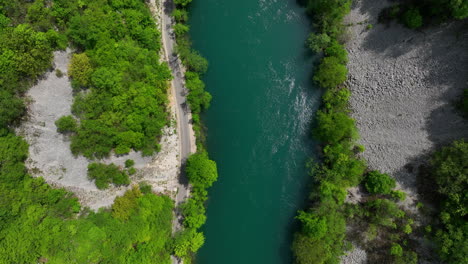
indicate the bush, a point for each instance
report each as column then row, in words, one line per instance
column 105, row 174
column 58, row 73
column 331, row 72
column 180, row 15
column 318, row 42
column 129, row 163
column 412, row 18
column 338, row 51
column 398, row 195
column 201, row 171
column 182, row 2
column 449, row 168
column 66, row 124
column 145, row 188
column 333, row 127
column 80, row 70
column 379, row 183
column 396, row 250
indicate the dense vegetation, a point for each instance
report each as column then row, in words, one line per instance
column 40, row 224
column 449, row 171
column 200, row 170
column 416, row 13
column 323, row 233
column 202, row 173
column 104, row 174
column 196, row 66
column 123, row 106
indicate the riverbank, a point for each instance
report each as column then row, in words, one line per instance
column 404, row 85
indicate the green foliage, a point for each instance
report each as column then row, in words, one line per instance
column 105, row 174
column 80, row 70
column 318, row 42
column 449, row 169
column 145, row 188
column 125, row 106
column 412, row 18
column 450, row 166
column 66, row 124
column 396, row 250
column 182, row 2
column 331, row 72
column 198, row 98
column 181, row 29
column 338, row 51
column 329, row 14
column 194, row 213
column 201, row 171
column 129, row 163
column 39, row 223
column 413, row 13
column 188, row 242
column 379, row 183
column 398, row 195
column 180, row 15
column 333, row 127
column 313, row 226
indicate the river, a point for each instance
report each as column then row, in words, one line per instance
column 258, row 125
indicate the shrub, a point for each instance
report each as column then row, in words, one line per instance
column 398, row 195
column 337, row 50
column 180, row 29
column 379, row 183
column 129, row 163
column 412, row 18
column 201, row 171
column 331, row 72
column 396, row 250
column 80, row 70
column 333, row 127
column 66, row 124
column 313, row 226
column 105, row 174
column 58, row 73
column 145, row 188
column 318, row 42
column 182, row 2
column 180, row 15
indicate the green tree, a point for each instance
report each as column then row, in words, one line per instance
column 379, row 183
column 80, row 69
column 201, row 171
column 318, row 42
column 182, row 2
column 337, row 50
column 412, row 18
column 334, row 126
column 66, row 124
column 313, row 226
column 331, row 72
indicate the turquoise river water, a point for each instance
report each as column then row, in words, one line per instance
column 258, row 125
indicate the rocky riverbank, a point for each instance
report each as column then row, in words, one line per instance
column 404, row 84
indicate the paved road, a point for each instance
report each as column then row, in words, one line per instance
column 182, row 110
column 180, row 92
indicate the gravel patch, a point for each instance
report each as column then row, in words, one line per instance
column 49, row 151
column 404, row 84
